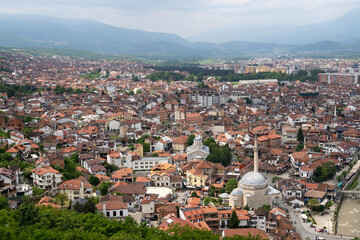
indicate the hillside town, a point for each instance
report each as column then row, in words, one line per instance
column 261, row 156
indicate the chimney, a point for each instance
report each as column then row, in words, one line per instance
column 104, row 209
column 82, row 195
column 256, row 155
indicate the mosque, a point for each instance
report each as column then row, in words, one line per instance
column 253, row 189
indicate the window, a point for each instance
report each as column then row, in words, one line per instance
column 114, row 213
column 121, row 213
column 108, row 214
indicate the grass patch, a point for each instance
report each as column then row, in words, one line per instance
column 354, row 185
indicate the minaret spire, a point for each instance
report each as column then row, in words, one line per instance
column 256, row 155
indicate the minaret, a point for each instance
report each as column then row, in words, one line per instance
column 335, row 111
column 256, row 155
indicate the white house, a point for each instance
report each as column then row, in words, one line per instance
column 46, row 177
column 113, row 209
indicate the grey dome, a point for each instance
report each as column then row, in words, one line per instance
column 236, row 192
column 253, row 178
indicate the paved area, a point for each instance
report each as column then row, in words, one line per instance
column 136, row 216
column 181, row 195
column 162, row 191
column 306, row 231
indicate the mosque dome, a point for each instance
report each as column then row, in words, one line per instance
column 236, row 192
column 253, row 178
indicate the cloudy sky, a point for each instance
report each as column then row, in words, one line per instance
column 184, row 17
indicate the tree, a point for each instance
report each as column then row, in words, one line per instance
column 104, row 188
column 300, row 146
column 266, row 207
column 219, row 154
column 248, row 101
column 89, row 207
column 146, row 147
column 231, row 185
column 61, row 198
column 206, row 200
column 139, row 91
column 3, row 203
column 212, row 191
column 78, row 207
column 300, row 135
column 313, row 110
column 70, row 168
column 313, row 203
column 28, row 214
column 93, row 180
column 324, row 172
column 27, row 118
column 316, row 149
column 177, row 211
column 194, row 194
column 314, row 74
column 233, row 221
column 276, row 178
column 10, row 92
column 190, row 140
column 208, row 141
column 135, row 78
column 37, row 191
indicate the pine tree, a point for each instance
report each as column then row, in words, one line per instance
column 300, row 135
column 234, row 221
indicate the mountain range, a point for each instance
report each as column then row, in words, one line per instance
column 340, row 35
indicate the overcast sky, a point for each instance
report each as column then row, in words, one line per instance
column 184, row 17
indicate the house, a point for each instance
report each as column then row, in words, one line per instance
column 76, row 189
column 179, row 143
column 160, row 179
column 46, row 177
column 123, row 174
column 136, row 190
column 244, row 232
column 57, row 159
column 113, row 209
column 171, row 220
column 148, row 205
column 23, row 147
column 296, row 202
column 258, row 219
column 129, row 200
column 319, row 195
column 15, row 123
column 166, row 210
column 114, row 158
column 143, row 180
column 198, row 173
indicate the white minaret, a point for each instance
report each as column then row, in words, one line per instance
column 256, row 155
column 335, row 110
